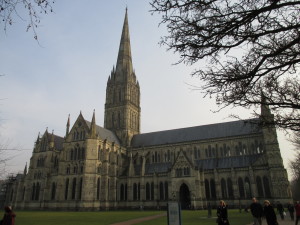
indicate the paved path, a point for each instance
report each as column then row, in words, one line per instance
column 138, row 220
column 287, row 221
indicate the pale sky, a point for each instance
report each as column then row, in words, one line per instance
column 66, row 72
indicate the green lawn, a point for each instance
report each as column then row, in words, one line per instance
column 109, row 217
column 200, row 218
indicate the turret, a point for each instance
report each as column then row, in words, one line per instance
column 25, row 169
column 68, row 126
column 93, row 133
column 51, row 143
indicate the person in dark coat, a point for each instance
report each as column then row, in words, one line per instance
column 291, row 210
column 222, row 214
column 256, row 211
column 269, row 213
column 280, row 210
column 9, row 216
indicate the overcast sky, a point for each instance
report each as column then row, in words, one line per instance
column 66, row 72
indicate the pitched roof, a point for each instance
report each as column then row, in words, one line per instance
column 227, row 162
column 104, row 133
column 212, row 131
column 58, row 141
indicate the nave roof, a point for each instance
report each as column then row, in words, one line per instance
column 197, row 133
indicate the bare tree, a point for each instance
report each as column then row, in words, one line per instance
column 10, row 9
column 251, row 47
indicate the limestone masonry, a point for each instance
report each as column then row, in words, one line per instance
column 115, row 166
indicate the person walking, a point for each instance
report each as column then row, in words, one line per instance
column 269, row 213
column 9, row 216
column 256, row 211
column 291, row 210
column 297, row 208
column 222, row 214
column 280, row 210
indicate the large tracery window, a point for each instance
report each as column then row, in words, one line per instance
column 207, row 189
column 230, row 188
column 267, row 187
column 241, row 187
column 223, row 188
column 260, row 190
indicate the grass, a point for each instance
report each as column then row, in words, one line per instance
column 110, row 217
column 200, row 217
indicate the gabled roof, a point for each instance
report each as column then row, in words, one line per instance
column 212, row 131
column 104, row 133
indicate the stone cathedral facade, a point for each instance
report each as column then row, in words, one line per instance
column 117, row 166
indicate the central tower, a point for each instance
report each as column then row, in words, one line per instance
column 122, row 106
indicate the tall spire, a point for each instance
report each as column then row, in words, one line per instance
column 124, row 61
column 122, row 106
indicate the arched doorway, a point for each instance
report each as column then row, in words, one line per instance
column 185, row 197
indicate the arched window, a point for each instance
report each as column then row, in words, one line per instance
column 139, row 191
column 248, row 188
column 166, row 191
column 241, row 187
column 66, row 189
column 213, row 188
column 267, row 187
column 75, row 153
column 152, row 191
column 135, row 191
column 207, row 189
column 33, row 191
column 37, row 193
column 147, row 191
column 122, row 189
column 74, row 188
column 83, row 153
column 260, row 190
column 98, row 188
column 80, row 189
column 161, row 191
column 230, row 188
column 72, row 154
column 53, row 191
column 223, row 188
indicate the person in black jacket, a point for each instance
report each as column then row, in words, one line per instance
column 256, row 211
column 222, row 214
column 269, row 213
column 291, row 210
column 280, row 210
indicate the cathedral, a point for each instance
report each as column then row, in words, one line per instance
column 118, row 167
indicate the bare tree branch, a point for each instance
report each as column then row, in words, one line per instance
column 252, row 47
column 10, row 9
